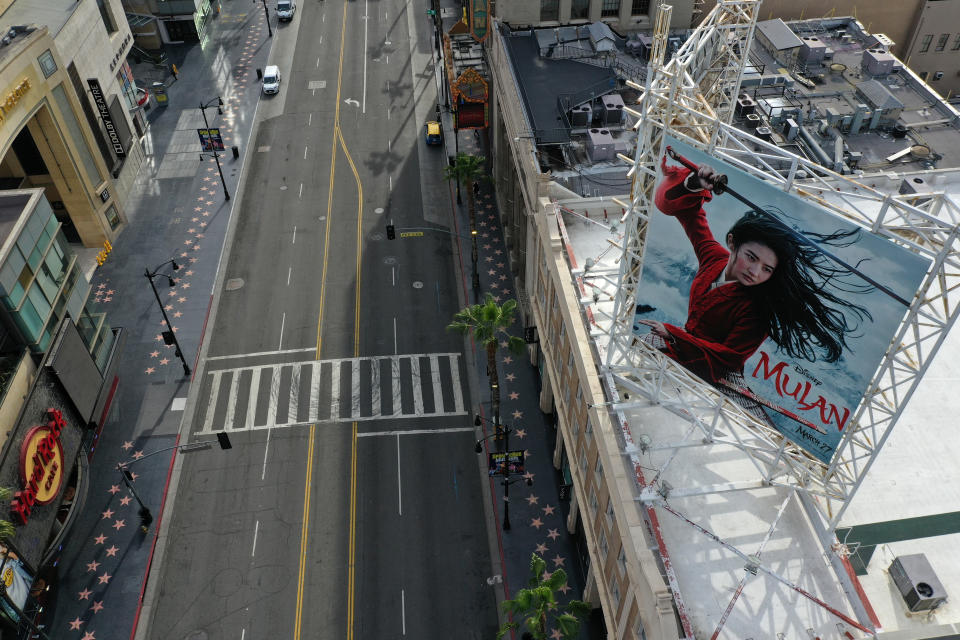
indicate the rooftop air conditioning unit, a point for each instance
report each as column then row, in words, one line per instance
column 917, row 583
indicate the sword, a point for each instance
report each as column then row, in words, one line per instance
column 720, row 186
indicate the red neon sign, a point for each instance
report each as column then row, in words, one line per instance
column 41, row 467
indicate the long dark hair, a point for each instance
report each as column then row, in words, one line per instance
column 804, row 317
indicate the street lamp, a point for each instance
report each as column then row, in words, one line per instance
column 169, row 336
column 146, row 517
column 215, row 155
column 499, row 431
column 267, row 13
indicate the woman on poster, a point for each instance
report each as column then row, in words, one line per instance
column 760, row 282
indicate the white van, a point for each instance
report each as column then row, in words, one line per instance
column 285, row 10
column 271, row 79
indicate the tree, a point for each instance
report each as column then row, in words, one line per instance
column 489, row 322
column 466, row 170
column 7, row 530
column 539, row 600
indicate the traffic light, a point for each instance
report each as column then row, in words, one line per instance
column 391, row 232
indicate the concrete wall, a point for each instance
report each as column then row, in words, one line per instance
column 17, row 390
column 936, row 19
column 527, row 12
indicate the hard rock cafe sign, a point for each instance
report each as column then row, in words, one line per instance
column 41, row 467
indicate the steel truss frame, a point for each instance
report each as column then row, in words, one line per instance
column 691, row 98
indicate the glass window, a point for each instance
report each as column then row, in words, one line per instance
column 640, row 7
column 112, row 216
column 615, row 592
column 549, row 10
column 76, row 137
column 598, row 472
column 593, row 502
column 610, row 8
column 106, row 15
column 40, row 302
column 47, row 282
column 956, row 43
column 622, row 561
column 588, row 429
column 942, row 42
column 30, row 321
column 47, row 64
column 580, row 9
column 36, row 257
column 604, row 547
column 610, row 514
column 925, row 45
column 583, row 460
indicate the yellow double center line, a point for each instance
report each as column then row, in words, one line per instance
column 337, row 138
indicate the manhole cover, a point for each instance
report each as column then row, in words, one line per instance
column 418, row 285
column 197, row 634
column 233, row 284
column 378, row 210
column 390, row 260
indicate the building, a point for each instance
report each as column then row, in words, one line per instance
column 932, row 48
column 656, row 571
column 155, row 22
column 71, row 120
column 623, row 15
column 58, row 363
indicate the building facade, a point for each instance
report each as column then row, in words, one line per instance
column 71, row 124
column 933, row 48
column 623, row 15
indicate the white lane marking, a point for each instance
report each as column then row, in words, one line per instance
column 305, row 153
column 314, row 392
column 417, row 387
column 366, row 24
column 231, row 402
column 294, row 405
column 274, row 397
column 318, row 63
column 395, row 374
column 300, row 195
column 393, row 275
column 294, row 241
column 243, row 632
column 388, row 113
column 435, row 376
column 335, row 391
column 212, row 405
column 309, row 119
column 256, row 529
column 389, row 145
column 252, row 400
column 403, row 610
column 455, row 379
column 399, row 485
column 283, row 321
column 414, row 432
column 289, row 271
column 355, row 394
column 263, row 473
column 395, row 336
column 260, row 353
column 375, row 386
column 390, row 178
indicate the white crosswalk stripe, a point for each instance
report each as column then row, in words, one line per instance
column 342, row 390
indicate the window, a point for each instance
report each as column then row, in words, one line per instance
column 615, row 592
column 549, row 10
column 622, row 561
column 610, row 8
column 925, row 45
column 104, row 6
column 570, row 359
column 112, row 216
column 610, row 513
column 579, row 395
column 942, row 42
column 594, row 505
column 580, row 9
column 598, row 472
column 604, row 547
column 588, row 429
column 583, row 461
column 640, row 7
column 956, row 43
column 639, row 632
column 47, row 64
column 924, row 74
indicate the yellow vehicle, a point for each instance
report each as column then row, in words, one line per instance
column 433, row 133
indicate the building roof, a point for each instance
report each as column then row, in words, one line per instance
column 779, row 34
column 878, row 96
column 53, row 14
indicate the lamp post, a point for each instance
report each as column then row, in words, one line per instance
column 169, row 336
column 267, row 14
column 499, row 431
column 214, row 154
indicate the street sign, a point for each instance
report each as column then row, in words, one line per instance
column 411, row 234
column 210, row 139
column 503, row 463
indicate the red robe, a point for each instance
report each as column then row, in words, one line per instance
column 724, row 327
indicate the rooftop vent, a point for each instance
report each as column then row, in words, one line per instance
column 917, row 583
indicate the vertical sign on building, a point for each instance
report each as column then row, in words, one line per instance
column 101, row 103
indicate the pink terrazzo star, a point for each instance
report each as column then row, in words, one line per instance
column 165, row 361
column 119, row 524
column 190, row 273
column 124, row 501
column 517, row 415
column 89, row 636
column 184, row 254
column 486, row 246
column 541, row 548
column 114, row 489
column 185, row 285
column 105, row 578
column 528, row 476
column 521, row 433
column 548, row 510
column 556, row 635
column 489, row 259
column 503, row 277
column 100, row 539
column 532, row 499
column 536, row 523
column 514, row 395
column 75, row 624
column 108, row 299
column 138, row 454
column 112, row 551
column 507, row 360
column 491, row 272
column 177, row 314
column 84, row 595
column 154, row 354
column 149, row 370
column 558, row 561
column 565, row 588
column 546, row 575
column 106, row 514
column 128, row 444
column 92, row 566
column 97, row 606
column 506, row 292
column 511, row 377
column 198, row 208
column 553, row 534
column 182, row 299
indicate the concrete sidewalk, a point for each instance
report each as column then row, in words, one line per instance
column 178, row 212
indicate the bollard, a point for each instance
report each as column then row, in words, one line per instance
column 236, row 152
column 259, row 74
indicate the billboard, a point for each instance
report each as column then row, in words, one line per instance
column 782, row 306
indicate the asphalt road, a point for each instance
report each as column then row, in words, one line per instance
column 350, row 505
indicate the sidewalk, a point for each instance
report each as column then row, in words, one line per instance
column 537, row 516
column 178, row 212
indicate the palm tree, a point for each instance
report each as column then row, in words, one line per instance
column 534, row 603
column 489, row 322
column 466, row 170
column 7, row 530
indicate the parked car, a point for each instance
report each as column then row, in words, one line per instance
column 285, row 10
column 271, row 79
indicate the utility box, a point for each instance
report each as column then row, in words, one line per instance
column 917, row 583
column 581, row 116
column 600, row 145
column 612, row 109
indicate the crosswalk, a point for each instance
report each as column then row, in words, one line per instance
column 324, row 391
